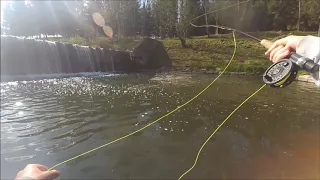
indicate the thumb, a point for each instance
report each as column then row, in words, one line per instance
column 49, row 175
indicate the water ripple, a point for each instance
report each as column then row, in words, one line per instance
column 70, row 143
column 19, row 158
column 70, row 115
column 10, row 150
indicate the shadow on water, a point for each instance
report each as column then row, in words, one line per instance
column 48, row 121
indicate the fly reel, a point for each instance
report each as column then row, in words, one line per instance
column 281, row 74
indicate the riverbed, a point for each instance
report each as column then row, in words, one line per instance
column 273, row 135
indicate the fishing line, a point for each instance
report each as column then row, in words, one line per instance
column 227, row 28
column 263, row 42
column 171, row 112
column 281, row 80
column 214, row 132
column 239, row 106
column 282, row 73
column 226, row 7
column 223, row 27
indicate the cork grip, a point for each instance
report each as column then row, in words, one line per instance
column 266, row 43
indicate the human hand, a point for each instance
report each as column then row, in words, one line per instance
column 37, row 172
column 282, row 48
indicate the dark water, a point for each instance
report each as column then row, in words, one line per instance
column 274, row 135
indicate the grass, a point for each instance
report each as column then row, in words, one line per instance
column 205, row 53
column 216, row 53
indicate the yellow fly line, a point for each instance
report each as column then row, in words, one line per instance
column 108, row 31
column 214, row 132
column 162, row 117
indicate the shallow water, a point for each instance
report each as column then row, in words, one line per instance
column 274, row 135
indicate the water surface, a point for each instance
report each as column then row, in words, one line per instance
column 274, row 135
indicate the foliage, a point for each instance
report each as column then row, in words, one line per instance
column 162, row 18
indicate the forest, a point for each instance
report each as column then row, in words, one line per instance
column 169, row 21
column 160, row 18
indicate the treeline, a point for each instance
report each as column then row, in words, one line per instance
column 165, row 18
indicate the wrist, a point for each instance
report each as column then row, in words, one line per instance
column 299, row 41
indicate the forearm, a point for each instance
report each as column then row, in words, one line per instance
column 309, row 46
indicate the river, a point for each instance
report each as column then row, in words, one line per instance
column 273, row 135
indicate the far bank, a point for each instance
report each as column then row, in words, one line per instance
column 203, row 54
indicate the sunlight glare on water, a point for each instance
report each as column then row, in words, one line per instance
column 50, row 120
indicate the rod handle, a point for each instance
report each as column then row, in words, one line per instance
column 266, row 43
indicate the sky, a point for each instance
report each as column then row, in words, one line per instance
column 3, row 5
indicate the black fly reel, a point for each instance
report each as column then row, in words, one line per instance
column 281, row 74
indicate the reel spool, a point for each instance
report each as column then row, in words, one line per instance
column 281, row 74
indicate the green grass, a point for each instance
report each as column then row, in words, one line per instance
column 216, row 53
column 205, row 53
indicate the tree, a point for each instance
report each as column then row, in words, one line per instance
column 147, row 19
column 310, row 14
column 38, row 18
column 132, row 18
column 284, row 14
column 299, row 16
column 165, row 18
column 187, row 12
column 19, row 19
column 165, row 13
column 204, row 4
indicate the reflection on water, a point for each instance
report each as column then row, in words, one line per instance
column 274, row 135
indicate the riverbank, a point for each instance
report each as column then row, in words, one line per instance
column 203, row 54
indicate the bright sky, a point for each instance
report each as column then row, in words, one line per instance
column 3, row 4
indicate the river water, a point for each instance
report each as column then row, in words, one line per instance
column 274, row 135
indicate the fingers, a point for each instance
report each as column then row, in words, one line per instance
column 280, row 42
column 19, row 173
column 274, row 51
column 49, row 175
column 39, row 166
column 281, row 54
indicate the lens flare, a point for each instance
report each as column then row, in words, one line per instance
column 98, row 19
column 108, row 31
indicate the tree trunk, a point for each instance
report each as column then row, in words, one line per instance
column 299, row 16
column 206, row 18
column 144, row 22
column 182, row 39
column 217, row 29
column 183, row 42
column 134, row 20
column 119, row 19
